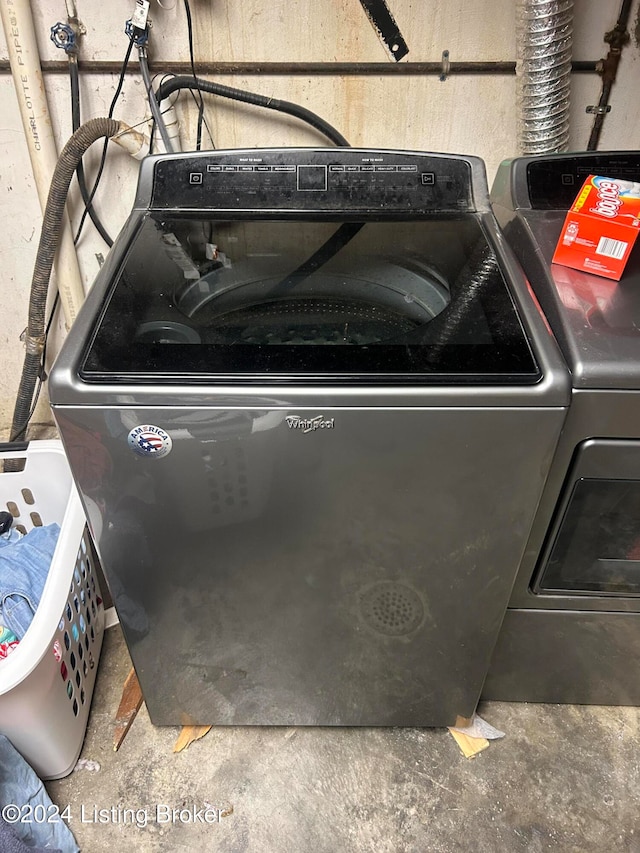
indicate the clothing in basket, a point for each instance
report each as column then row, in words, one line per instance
column 24, row 566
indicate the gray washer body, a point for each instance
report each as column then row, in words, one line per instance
column 354, row 575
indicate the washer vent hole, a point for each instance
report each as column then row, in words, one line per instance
column 391, row 608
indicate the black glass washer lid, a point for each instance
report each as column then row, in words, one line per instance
column 419, row 299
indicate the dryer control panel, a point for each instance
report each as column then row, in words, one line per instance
column 343, row 181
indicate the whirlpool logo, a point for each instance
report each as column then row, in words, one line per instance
column 310, row 424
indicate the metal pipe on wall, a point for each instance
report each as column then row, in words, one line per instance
column 308, row 69
column 617, row 38
column 544, row 41
column 17, row 22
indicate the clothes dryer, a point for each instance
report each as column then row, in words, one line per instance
column 572, row 630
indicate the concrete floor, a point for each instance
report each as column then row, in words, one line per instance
column 565, row 778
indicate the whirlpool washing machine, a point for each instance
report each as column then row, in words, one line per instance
column 310, row 407
column 572, row 630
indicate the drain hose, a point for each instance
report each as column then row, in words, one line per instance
column 49, row 239
column 287, row 107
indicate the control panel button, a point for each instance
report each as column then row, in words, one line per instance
column 428, row 178
column 195, row 177
column 312, row 178
column 568, row 180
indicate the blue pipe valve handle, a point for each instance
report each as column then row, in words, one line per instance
column 64, row 37
column 138, row 37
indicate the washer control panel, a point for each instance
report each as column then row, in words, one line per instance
column 329, row 180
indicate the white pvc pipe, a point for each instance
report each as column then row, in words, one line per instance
column 133, row 142
column 172, row 126
column 17, row 22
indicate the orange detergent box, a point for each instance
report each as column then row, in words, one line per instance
column 601, row 227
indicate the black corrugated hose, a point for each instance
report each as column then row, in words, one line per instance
column 302, row 113
column 81, row 140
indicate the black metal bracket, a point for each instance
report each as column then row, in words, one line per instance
column 384, row 24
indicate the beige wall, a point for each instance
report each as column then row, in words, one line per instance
column 472, row 115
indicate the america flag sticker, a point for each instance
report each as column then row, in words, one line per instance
column 150, row 441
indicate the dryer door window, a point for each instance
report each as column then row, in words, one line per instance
column 595, row 542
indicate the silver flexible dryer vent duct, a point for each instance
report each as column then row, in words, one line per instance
column 544, row 31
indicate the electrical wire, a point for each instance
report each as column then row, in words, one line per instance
column 200, row 99
column 16, row 436
column 114, row 101
column 75, row 121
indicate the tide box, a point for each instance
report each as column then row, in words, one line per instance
column 601, row 227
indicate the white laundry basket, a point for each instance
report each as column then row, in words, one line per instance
column 47, row 682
